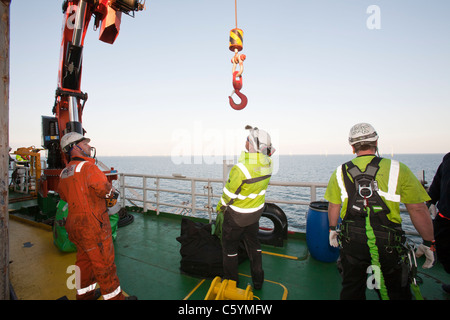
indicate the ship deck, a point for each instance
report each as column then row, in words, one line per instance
column 147, row 256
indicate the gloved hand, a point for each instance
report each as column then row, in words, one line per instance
column 428, row 249
column 333, row 237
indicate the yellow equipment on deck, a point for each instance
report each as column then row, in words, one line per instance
column 227, row 290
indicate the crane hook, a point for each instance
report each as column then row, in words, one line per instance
column 237, row 85
column 241, row 105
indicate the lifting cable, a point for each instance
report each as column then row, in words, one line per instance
column 236, row 45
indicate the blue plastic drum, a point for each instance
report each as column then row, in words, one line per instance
column 317, row 233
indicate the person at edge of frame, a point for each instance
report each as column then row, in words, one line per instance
column 365, row 193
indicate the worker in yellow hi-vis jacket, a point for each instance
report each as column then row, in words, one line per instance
column 242, row 204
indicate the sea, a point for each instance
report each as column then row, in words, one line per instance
column 287, row 168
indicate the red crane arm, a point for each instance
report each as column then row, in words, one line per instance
column 69, row 99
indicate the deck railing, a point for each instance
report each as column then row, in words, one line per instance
column 135, row 188
column 203, row 195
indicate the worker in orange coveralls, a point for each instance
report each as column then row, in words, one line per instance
column 84, row 187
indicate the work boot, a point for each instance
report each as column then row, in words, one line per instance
column 258, row 280
column 93, row 295
column 97, row 294
column 257, row 285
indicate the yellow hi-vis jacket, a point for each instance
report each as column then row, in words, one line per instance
column 246, row 187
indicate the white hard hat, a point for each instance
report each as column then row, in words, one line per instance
column 71, row 138
column 260, row 140
column 362, row 132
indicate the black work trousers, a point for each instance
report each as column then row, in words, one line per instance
column 442, row 237
column 232, row 235
column 357, row 264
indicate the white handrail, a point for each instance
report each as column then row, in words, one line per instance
column 137, row 192
column 140, row 184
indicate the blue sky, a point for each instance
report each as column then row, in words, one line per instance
column 313, row 69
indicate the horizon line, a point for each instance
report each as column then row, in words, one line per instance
column 284, row 154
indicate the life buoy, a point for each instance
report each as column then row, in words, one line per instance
column 279, row 232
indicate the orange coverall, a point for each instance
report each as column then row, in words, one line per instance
column 84, row 187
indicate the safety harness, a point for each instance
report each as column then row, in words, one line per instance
column 364, row 205
column 363, row 198
column 363, row 191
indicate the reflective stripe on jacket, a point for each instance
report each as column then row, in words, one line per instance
column 247, row 183
column 396, row 183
